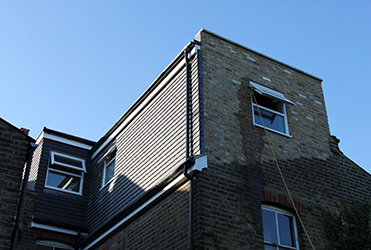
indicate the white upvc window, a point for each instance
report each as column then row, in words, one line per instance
column 65, row 173
column 272, row 107
column 279, row 228
column 109, row 165
column 52, row 245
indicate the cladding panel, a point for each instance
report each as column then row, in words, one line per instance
column 57, row 206
column 149, row 149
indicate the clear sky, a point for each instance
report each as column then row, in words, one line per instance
column 76, row 66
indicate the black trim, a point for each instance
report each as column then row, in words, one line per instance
column 68, row 136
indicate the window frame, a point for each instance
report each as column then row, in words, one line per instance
column 112, row 150
column 53, row 244
column 54, row 162
column 274, row 95
column 276, row 211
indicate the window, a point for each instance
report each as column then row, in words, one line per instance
column 109, row 165
column 65, row 173
column 51, row 245
column 279, row 229
column 272, row 106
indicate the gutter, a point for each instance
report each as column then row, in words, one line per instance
column 18, row 217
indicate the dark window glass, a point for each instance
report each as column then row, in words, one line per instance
column 286, row 231
column 110, row 171
column 269, row 226
column 63, row 181
column 69, row 161
column 279, row 231
column 268, row 102
column 270, row 119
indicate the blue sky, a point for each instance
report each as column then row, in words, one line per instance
column 76, row 66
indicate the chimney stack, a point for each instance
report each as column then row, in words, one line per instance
column 24, row 130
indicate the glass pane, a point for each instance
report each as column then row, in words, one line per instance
column 268, row 102
column 68, row 161
column 269, row 226
column 285, row 227
column 62, row 248
column 110, row 171
column 267, row 247
column 271, row 120
column 63, row 181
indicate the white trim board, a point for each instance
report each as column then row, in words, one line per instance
column 62, row 140
column 52, row 228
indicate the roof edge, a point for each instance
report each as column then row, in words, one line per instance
column 17, row 129
column 261, row 54
column 142, row 97
column 66, row 136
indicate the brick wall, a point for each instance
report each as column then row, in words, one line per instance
column 163, row 226
column 27, row 236
column 13, row 153
column 240, row 164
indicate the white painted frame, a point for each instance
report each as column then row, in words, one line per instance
column 50, row 168
column 53, row 161
column 283, row 114
column 53, row 244
column 104, row 172
column 53, row 228
column 277, row 210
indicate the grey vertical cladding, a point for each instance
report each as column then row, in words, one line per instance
column 149, row 149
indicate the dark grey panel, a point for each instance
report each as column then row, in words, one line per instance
column 149, row 149
column 56, row 206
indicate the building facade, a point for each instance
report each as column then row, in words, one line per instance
column 15, row 151
column 190, row 165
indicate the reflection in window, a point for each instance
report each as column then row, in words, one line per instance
column 273, row 113
column 65, row 173
column 279, row 229
column 109, row 166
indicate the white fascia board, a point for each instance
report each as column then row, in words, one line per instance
column 269, row 92
column 52, row 228
column 200, row 164
column 62, row 140
column 140, row 107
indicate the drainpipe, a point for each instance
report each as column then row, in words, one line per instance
column 189, row 147
column 18, row 218
column 190, row 227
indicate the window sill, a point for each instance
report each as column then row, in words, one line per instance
column 272, row 130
